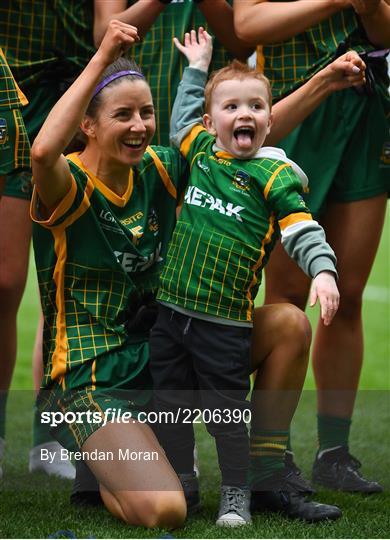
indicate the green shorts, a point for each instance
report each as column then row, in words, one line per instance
column 14, row 143
column 344, row 148
column 41, row 101
column 117, row 383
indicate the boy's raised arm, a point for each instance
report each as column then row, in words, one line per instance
column 188, row 106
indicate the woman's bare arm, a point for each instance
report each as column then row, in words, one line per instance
column 142, row 14
column 261, row 22
column 50, row 169
column 219, row 16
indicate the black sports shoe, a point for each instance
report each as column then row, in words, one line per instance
column 190, row 485
column 295, row 477
column 278, row 494
column 337, row 469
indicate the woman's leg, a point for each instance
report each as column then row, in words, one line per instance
column 353, row 230
column 280, row 350
column 15, row 227
column 140, row 492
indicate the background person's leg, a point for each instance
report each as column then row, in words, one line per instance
column 15, row 227
column 353, row 230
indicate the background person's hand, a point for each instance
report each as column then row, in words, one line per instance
column 118, row 38
column 198, row 49
column 324, row 289
column 346, row 71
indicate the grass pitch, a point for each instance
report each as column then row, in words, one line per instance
column 34, row 506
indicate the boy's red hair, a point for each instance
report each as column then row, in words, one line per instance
column 234, row 70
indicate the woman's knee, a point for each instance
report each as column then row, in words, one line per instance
column 351, row 300
column 294, row 327
column 12, row 284
column 155, row 509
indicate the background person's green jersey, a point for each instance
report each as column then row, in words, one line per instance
column 14, row 144
column 290, row 63
column 94, row 251
column 47, row 43
column 46, row 38
column 163, row 64
column 342, row 145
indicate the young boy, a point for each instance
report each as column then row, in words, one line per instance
column 238, row 197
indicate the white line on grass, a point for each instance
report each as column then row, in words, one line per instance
column 376, row 294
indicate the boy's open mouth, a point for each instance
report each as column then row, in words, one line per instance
column 244, row 135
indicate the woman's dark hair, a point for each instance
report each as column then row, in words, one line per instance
column 121, row 64
column 79, row 140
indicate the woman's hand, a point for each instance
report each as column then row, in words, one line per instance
column 118, row 38
column 346, row 71
column 197, row 49
column 325, row 289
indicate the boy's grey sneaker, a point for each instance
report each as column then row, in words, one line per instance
column 190, row 485
column 234, row 507
column 278, row 494
column 295, row 477
column 337, row 469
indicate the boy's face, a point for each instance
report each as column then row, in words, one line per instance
column 240, row 116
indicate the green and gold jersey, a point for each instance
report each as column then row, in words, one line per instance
column 230, row 219
column 14, row 143
column 46, row 38
column 11, row 97
column 292, row 62
column 163, row 64
column 95, row 250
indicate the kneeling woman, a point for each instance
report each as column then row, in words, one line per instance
column 103, row 218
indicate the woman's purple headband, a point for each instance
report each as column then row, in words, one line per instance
column 114, row 76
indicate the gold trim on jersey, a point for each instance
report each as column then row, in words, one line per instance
column 60, row 353
column 17, row 135
column 185, row 144
column 93, row 375
column 222, row 154
column 59, row 211
column 260, row 59
column 22, row 98
column 266, row 240
column 170, row 187
column 291, row 219
column 272, row 179
column 118, row 200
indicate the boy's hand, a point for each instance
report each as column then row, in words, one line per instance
column 119, row 37
column 197, row 49
column 346, row 71
column 325, row 289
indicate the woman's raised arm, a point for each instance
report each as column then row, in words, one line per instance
column 50, row 169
